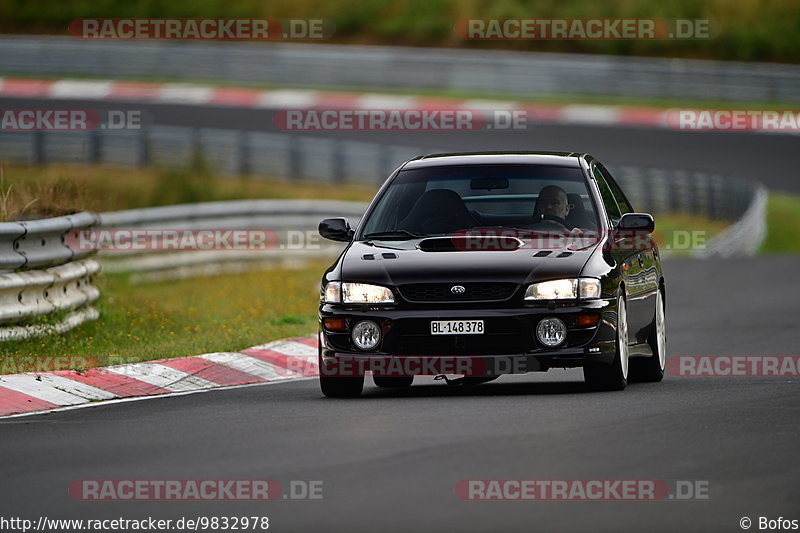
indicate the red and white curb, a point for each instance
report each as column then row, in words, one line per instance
column 278, row 361
column 189, row 94
column 206, row 95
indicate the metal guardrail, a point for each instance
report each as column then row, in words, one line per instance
column 41, row 243
column 743, row 237
column 229, row 152
column 338, row 160
column 286, row 219
column 28, row 289
column 382, row 67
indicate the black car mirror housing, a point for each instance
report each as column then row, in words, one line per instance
column 637, row 222
column 336, row 229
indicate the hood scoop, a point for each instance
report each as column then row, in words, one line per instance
column 468, row 243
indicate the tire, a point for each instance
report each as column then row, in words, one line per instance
column 651, row 369
column 339, row 386
column 604, row 377
column 393, row 382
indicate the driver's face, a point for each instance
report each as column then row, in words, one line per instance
column 553, row 203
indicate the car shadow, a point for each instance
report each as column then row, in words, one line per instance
column 493, row 388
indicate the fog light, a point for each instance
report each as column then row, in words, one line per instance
column 366, row 335
column 551, row 331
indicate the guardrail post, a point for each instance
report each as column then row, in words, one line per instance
column 37, row 150
column 647, row 190
column 243, row 153
column 712, row 209
column 338, row 161
column 295, row 158
column 92, row 147
column 196, row 148
column 143, row 148
column 677, row 184
column 384, row 162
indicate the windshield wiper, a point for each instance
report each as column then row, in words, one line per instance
column 393, row 234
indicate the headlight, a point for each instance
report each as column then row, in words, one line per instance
column 356, row 293
column 564, row 289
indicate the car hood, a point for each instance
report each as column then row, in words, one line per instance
column 397, row 263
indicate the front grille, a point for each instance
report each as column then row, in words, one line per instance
column 502, row 336
column 441, row 292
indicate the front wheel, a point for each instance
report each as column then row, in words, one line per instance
column 603, row 377
column 337, row 386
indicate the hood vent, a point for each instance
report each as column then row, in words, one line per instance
column 385, row 255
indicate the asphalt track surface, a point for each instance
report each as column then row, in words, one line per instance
column 768, row 158
column 390, row 461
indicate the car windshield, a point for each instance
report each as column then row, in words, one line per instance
column 448, row 199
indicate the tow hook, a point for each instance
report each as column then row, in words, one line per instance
column 451, row 382
column 464, row 380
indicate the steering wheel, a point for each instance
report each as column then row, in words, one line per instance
column 552, row 221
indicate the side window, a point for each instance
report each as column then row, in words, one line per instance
column 608, row 197
column 622, row 201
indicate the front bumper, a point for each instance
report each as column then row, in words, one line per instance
column 508, row 345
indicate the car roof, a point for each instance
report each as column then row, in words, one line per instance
column 561, row 159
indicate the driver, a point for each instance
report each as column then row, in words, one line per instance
column 553, row 205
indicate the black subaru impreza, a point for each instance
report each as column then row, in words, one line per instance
column 482, row 264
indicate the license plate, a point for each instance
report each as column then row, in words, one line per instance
column 456, row 327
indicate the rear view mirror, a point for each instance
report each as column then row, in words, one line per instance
column 637, row 222
column 336, row 229
column 488, row 183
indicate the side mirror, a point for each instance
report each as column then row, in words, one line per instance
column 637, row 222
column 336, row 229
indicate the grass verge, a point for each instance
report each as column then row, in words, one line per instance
column 783, row 224
column 54, row 190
